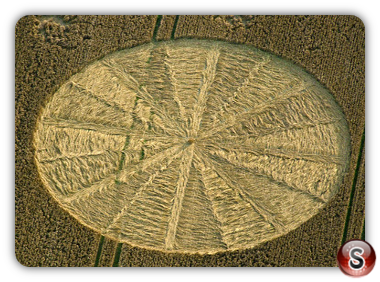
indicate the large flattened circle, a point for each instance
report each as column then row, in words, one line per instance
column 192, row 146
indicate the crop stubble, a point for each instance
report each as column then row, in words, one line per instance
column 329, row 47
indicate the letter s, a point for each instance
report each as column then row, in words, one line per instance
column 353, row 257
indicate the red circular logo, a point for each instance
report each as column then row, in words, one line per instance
column 356, row 258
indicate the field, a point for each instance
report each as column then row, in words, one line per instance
column 49, row 50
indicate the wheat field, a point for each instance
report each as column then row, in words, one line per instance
column 196, row 152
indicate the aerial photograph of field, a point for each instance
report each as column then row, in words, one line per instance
column 188, row 141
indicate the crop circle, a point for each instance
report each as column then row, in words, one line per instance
column 192, row 146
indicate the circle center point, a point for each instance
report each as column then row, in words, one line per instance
column 190, row 141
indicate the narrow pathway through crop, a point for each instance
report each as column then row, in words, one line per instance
column 349, row 208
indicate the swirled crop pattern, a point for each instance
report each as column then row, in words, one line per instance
column 192, row 146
